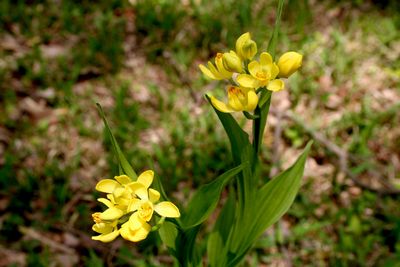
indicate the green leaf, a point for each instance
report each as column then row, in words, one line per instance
column 124, row 166
column 272, row 201
column 238, row 138
column 264, row 98
column 240, row 148
column 215, row 246
column 205, row 199
column 188, row 254
column 276, row 197
column 168, row 233
column 226, row 217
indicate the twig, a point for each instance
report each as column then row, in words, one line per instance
column 343, row 157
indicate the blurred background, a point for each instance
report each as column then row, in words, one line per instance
column 140, row 61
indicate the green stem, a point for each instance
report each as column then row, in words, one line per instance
column 260, row 122
column 250, row 116
column 158, row 225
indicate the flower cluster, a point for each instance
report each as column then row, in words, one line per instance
column 130, row 205
column 249, row 75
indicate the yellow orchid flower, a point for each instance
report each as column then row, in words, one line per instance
column 108, row 230
column 239, row 99
column 262, row 74
column 217, row 71
column 289, row 63
column 143, row 207
column 125, row 197
column 246, row 48
column 146, row 203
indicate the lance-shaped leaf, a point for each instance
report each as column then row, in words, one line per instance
column 124, row 166
column 272, row 202
column 217, row 248
column 238, row 138
column 206, row 198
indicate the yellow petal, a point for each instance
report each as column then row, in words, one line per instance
column 106, row 237
column 133, row 205
column 167, row 209
column 118, row 192
column 146, row 210
column 105, row 202
column 123, row 202
column 111, row 198
column 252, row 100
column 225, row 74
column 276, row 85
column 123, row 179
column 111, row 214
column 107, row 185
column 274, row 71
column 146, row 178
column 139, row 189
column 154, row 195
column 221, row 106
column 102, row 228
column 247, row 81
column 234, row 102
column 254, row 67
column 135, row 222
column 136, row 235
column 214, row 71
column 207, row 72
column 265, row 59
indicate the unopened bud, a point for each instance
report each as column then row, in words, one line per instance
column 232, row 62
column 245, row 47
column 289, row 63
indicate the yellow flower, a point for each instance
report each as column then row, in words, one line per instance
column 125, row 197
column 262, row 74
column 288, row 63
column 143, row 208
column 245, row 47
column 239, row 99
column 108, row 230
column 217, row 71
column 232, row 62
column 135, row 229
column 118, row 193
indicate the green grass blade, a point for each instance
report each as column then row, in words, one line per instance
column 274, row 38
column 123, row 163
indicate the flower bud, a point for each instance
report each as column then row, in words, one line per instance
column 232, row 62
column 245, row 47
column 288, row 63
